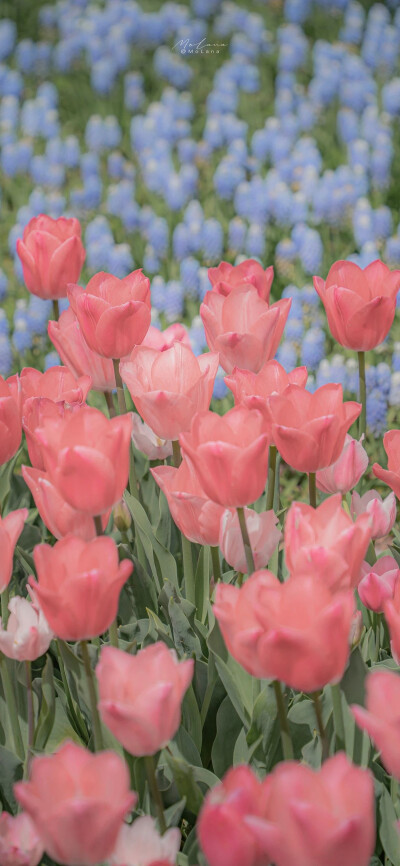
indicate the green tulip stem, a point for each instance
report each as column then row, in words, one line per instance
column 120, row 388
column 216, row 564
column 271, row 477
column 312, row 489
column 286, row 740
column 155, row 791
column 12, row 708
column 362, row 421
column 97, row 733
column 246, row 541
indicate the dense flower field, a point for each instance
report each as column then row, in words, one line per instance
column 199, row 443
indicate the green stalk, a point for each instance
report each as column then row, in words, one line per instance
column 155, row 791
column 97, row 733
column 188, row 571
column 113, row 633
column 246, row 541
column 12, row 708
column 286, row 740
column 271, row 477
column 110, row 404
column 320, row 723
column 98, row 525
column 338, row 717
column 216, row 564
column 56, row 309
column 5, row 598
column 120, row 388
column 76, row 716
column 362, row 421
column 31, row 717
column 312, row 489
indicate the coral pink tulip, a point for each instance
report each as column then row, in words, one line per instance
column 168, row 388
column 391, row 609
column 145, row 440
column 224, row 834
column 114, row 314
column 162, row 340
column 28, row 634
column 87, row 457
column 229, row 455
column 309, row 430
column 226, row 277
column 59, row 517
column 391, row 475
column 345, row 473
column 79, row 583
column 37, row 411
column 140, row 696
column 52, row 255
column 78, row 802
column 242, row 327
column 255, row 389
column 381, row 718
column 20, row 844
column 263, row 533
column 325, row 542
column 68, row 340
column 11, row 527
column 378, row 582
column 140, row 844
column 197, row 516
column 10, row 423
column 57, row 384
column 359, row 304
column 296, row 631
column 382, row 512
column 318, row 818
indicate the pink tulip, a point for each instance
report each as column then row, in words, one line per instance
column 52, row 255
column 140, row 696
column 318, row 818
column 145, row 440
column 378, row 582
column 140, row 844
column 28, row 634
column 114, row 315
column 77, row 801
column 68, row 340
column 36, row 411
column 242, row 327
column 325, row 542
column 359, row 303
column 11, row 527
column 255, row 389
column 222, row 828
column 381, row 718
column 162, row 340
column 10, row 423
column 79, row 583
column 86, row 456
column 229, row 455
column 391, row 609
column 347, row 470
column 56, row 384
column 59, row 517
column 20, row 844
column 168, row 388
column 226, row 277
column 391, row 475
column 197, row 516
column 382, row 512
column 263, row 533
column 309, row 430
column 296, row 631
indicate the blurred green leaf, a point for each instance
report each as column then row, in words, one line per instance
column 388, row 832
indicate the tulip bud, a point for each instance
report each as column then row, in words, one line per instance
column 122, row 516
